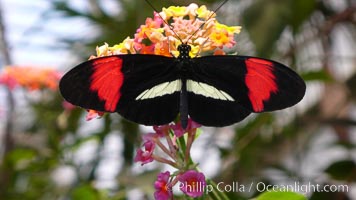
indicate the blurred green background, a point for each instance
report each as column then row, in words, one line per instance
column 50, row 153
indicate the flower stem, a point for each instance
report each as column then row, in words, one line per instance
column 163, row 160
column 164, row 149
column 171, row 146
column 190, row 141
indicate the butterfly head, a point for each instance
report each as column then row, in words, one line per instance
column 184, row 50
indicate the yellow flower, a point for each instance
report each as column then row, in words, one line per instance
column 223, row 35
column 229, row 29
column 103, row 50
column 204, row 13
column 220, row 38
column 174, row 11
column 194, row 51
column 124, row 47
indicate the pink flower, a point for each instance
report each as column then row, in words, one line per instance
column 9, row 81
column 145, row 32
column 162, row 130
column 191, row 128
column 157, row 19
column 162, row 186
column 192, row 125
column 93, row 114
column 177, row 129
column 192, row 183
column 149, row 137
column 145, row 156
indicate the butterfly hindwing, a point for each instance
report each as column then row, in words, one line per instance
column 215, row 112
column 115, row 83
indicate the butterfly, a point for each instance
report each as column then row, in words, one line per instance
column 217, row 90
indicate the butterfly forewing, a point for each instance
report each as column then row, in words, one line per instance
column 272, row 85
column 115, row 83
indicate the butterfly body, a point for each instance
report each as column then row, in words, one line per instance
column 154, row 89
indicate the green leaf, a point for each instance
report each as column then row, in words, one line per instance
column 320, row 75
column 342, row 170
column 20, row 158
column 265, row 22
column 281, row 196
column 85, row 192
column 301, row 11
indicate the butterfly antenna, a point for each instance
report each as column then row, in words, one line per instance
column 210, row 16
column 170, row 27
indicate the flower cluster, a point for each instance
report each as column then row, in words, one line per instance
column 193, row 25
column 30, row 78
column 177, row 154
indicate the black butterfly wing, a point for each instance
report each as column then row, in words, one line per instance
column 240, row 85
column 120, row 84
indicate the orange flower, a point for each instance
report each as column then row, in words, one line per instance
column 220, row 38
column 31, row 78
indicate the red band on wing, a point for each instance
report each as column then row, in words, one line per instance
column 260, row 81
column 107, row 80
